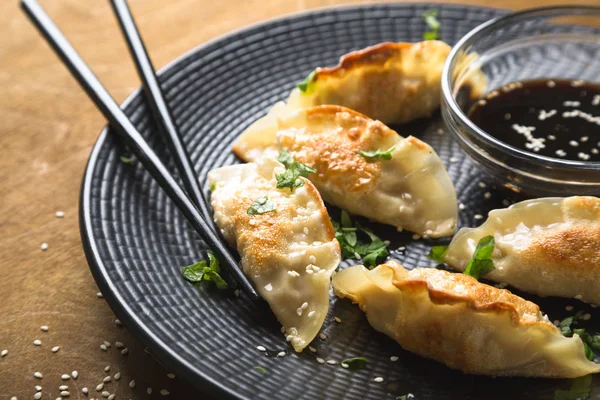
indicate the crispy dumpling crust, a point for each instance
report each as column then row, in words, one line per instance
column 548, row 246
column 465, row 324
column 289, row 253
column 411, row 191
column 390, row 82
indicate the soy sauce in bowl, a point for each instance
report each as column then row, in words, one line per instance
column 554, row 118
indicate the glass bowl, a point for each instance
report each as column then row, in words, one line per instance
column 553, row 43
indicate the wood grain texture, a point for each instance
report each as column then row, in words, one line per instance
column 47, row 129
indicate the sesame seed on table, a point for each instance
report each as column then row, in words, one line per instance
column 49, row 126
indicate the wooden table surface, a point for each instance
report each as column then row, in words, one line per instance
column 47, row 129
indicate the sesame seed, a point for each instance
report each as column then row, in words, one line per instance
column 75, row 374
column 344, row 365
column 4, row 353
column 393, row 358
column 578, row 297
column 331, row 362
column 105, row 394
column 37, row 396
column 322, row 336
column 37, row 342
column 13, row 398
column 478, row 216
column 293, row 273
column 416, row 237
column 118, row 322
column 312, row 349
column 461, row 206
column 236, row 292
column 38, row 388
column 38, row 375
column 299, row 311
column 312, row 259
column 482, row 185
column 132, row 384
column 107, row 379
column 99, row 295
column 149, row 390
column 573, row 143
column 65, row 393
column 569, row 308
column 584, row 139
column 560, row 153
column 164, row 392
column 107, row 368
column 311, row 313
column 125, row 351
column 551, row 137
column 44, row 328
column 107, row 343
column 378, row 379
column 305, row 230
column 65, row 377
column 261, row 348
column 44, row 246
column 453, row 159
column 63, row 387
column 551, row 83
column 281, row 354
column 84, row 390
column 60, row 214
column 103, row 347
column 587, row 316
column 117, row 376
column 269, row 287
column 100, row 387
column 111, row 397
column 320, row 360
column 337, row 319
column 119, row 345
column 583, row 156
column 304, row 305
column 487, row 195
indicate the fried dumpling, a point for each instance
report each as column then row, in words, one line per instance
column 391, row 82
column 547, row 246
column 411, row 190
column 465, row 324
column 285, row 239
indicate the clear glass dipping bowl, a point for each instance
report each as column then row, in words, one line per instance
column 553, row 43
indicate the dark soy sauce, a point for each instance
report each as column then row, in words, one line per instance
column 553, row 118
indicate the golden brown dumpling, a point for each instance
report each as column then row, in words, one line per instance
column 288, row 252
column 548, row 246
column 411, row 190
column 465, row 324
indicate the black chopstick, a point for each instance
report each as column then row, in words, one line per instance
column 160, row 109
column 132, row 138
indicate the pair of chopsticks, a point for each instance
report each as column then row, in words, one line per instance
column 191, row 203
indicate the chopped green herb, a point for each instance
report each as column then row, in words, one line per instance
column 290, row 178
column 196, row 273
column 260, row 206
column 354, row 363
column 565, row 325
column 430, row 18
column 591, row 343
column 303, row 86
column 580, row 389
column 262, row 370
column 213, row 186
column 438, row 253
column 129, row 160
column 481, row 263
column 285, row 158
column 377, row 154
column 359, row 242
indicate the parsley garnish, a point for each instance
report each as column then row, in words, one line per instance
column 199, row 272
column 348, row 237
column 303, row 86
column 213, row 186
column 260, row 206
column 129, row 160
column 377, row 154
column 262, row 370
column 580, row 389
column 285, row 158
column 290, row 178
column 354, row 363
column 438, row 253
column 481, row 263
column 430, row 18
column 591, row 343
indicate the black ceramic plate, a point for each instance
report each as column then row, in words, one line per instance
column 136, row 241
